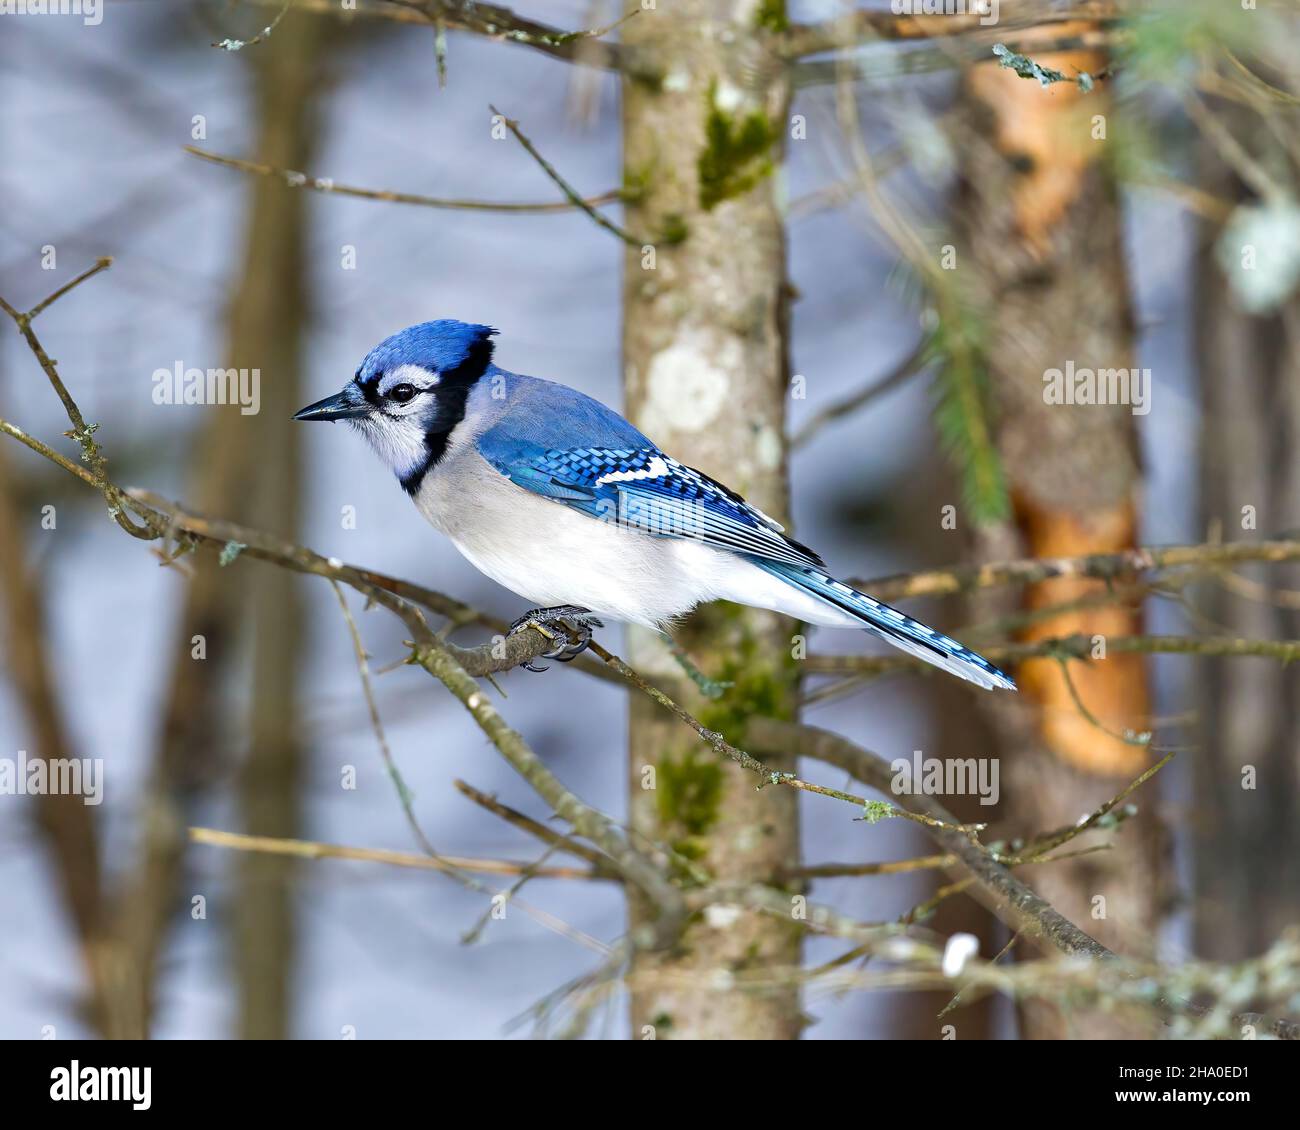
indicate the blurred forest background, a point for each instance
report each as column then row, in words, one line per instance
column 840, row 247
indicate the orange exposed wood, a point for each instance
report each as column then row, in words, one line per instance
column 1031, row 124
column 1114, row 689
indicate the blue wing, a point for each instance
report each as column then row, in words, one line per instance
column 646, row 490
column 565, row 446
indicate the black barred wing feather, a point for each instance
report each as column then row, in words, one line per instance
column 646, row 490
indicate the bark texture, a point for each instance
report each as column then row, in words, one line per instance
column 706, row 374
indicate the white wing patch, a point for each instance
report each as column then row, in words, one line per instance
column 655, row 469
column 772, row 523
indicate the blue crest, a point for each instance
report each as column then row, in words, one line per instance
column 441, row 347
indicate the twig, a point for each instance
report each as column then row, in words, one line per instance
column 1077, row 646
column 569, row 191
column 1232, row 151
column 1103, row 566
column 1051, row 841
column 599, row 863
column 494, row 22
column 311, row 849
column 1142, row 740
column 89, row 273
column 890, row 867
column 82, row 432
column 859, row 27
column 265, row 33
column 363, row 668
column 1026, row 67
column 909, row 366
column 327, row 185
column 997, row 957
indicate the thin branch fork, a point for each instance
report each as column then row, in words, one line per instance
column 600, row 865
column 570, row 193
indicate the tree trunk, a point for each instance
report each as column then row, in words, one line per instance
column 66, row 822
column 706, row 373
column 1246, row 833
column 1041, row 220
column 268, row 321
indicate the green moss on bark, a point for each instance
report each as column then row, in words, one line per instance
column 736, row 154
column 688, row 793
column 772, row 16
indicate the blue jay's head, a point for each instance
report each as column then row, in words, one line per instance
column 410, row 392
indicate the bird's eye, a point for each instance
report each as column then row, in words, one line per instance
column 402, row 393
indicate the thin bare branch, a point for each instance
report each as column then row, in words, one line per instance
column 1103, row 566
column 569, row 191
column 908, row 367
column 328, row 186
column 312, row 849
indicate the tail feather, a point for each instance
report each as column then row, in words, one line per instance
column 893, row 626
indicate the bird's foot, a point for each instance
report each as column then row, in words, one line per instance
column 568, row 625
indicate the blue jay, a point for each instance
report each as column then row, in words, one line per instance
column 562, row 501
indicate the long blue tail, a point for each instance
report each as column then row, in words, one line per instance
column 894, row 626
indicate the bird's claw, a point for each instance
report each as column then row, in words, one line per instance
column 568, row 624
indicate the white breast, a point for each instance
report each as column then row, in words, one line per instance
column 550, row 554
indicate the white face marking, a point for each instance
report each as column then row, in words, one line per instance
column 398, row 441
column 417, row 377
column 397, row 431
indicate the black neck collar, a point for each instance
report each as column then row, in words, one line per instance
column 454, row 387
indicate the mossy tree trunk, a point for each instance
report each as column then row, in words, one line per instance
column 706, row 374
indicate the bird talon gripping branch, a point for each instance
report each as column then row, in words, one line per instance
column 567, row 622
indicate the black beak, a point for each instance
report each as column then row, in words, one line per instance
column 346, row 405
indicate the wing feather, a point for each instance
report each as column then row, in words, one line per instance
column 646, row 490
